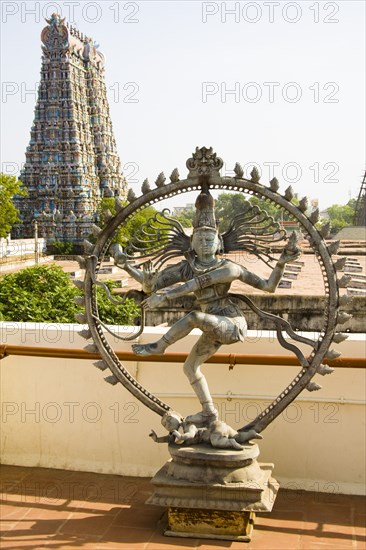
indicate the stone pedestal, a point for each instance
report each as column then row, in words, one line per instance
column 213, row 493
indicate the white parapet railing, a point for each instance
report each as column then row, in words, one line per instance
column 60, row 413
column 20, row 248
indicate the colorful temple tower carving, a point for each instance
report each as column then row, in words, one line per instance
column 72, row 160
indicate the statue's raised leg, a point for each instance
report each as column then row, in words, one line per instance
column 180, row 329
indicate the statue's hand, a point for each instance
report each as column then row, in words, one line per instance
column 289, row 256
column 153, row 301
column 291, row 251
column 149, row 277
column 153, row 436
column 119, row 256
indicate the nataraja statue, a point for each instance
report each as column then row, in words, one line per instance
column 209, row 276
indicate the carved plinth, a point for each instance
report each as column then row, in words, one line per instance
column 213, row 493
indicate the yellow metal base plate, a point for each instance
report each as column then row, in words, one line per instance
column 209, row 524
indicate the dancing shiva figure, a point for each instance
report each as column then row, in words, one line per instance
column 209, row 276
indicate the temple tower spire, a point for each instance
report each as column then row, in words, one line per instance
column 72, row 160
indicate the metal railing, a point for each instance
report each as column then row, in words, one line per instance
column 219, row 358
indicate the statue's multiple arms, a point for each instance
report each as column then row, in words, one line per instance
column 270, row 284
column 121, row 261
column 152, row 281
column 149, row 279
column 226, row 274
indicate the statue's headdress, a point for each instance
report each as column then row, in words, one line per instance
column 162, row 237
column 205, row 212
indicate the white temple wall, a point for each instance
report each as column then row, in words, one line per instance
column 59, row 413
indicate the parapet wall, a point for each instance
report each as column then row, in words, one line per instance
column 11, row 248
column 303, row 312
column 60, row 413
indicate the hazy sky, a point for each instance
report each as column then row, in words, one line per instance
column 260, row 82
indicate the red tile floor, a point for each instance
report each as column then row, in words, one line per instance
column 60, row 509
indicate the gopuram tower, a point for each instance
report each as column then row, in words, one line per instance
column 71, row 160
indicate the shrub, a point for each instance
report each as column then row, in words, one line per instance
column 60, row 247
column 124, row 314
column 46, row 294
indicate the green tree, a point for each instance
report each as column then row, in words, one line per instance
column 186, row 216
column 46, row 294
column 229, row 205
column 60, row 247
column 268, row 207
column 183, row 220
column 125, row 234
column 9, row 186
column 341, row 216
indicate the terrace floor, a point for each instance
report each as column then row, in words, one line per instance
column 61, row 509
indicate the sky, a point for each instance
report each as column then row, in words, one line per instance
column 279, row 85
